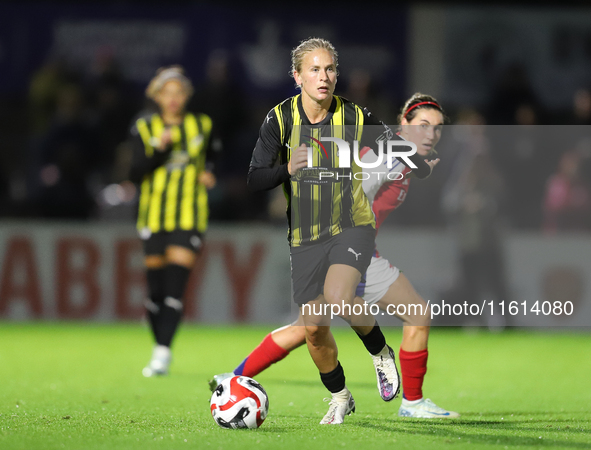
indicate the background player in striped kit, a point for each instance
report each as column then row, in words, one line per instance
column 173, row 161
column 421, row 121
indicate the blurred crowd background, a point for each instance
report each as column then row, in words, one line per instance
column 515, row 83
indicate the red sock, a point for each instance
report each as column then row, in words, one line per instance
column 413, row 366
column 267, row 353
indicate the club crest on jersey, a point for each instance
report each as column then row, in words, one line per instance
column 317, row 145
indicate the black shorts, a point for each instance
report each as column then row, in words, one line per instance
column 156, row 243
column 309, row 263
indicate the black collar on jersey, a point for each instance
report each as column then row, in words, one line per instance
column 326, row 120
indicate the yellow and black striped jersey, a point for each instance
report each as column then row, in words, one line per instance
column 316, row 209
column 171, row 197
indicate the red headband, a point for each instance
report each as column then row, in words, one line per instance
column 419, row 104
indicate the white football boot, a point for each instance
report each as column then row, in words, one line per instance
column 217, row 380
column 340, row 405
column 424, row 409
column 387, row 374
column 161, row 357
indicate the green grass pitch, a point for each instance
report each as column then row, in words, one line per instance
column 79, row 386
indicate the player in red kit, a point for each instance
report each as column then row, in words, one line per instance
column 420, row 122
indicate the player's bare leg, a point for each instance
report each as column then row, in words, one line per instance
column 339, row 289
column 290, row 336
column 175, row 254
column 414, row 338
column 319, row 338
column 413, row 350
column 324, row 352
column 363, row 322
column 415, row 334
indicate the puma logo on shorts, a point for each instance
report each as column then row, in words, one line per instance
column 357, row 255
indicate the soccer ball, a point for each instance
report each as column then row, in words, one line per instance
column 239, row 402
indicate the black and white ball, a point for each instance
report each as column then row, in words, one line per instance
column 239, row 402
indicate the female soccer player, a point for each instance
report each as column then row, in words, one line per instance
column 421, row 121
column 172, row 160
column 331, row 224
